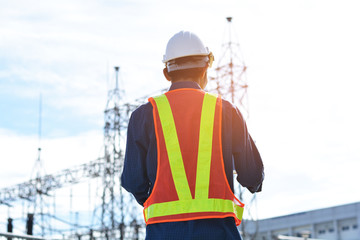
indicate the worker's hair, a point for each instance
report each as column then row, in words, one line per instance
column 192, row 73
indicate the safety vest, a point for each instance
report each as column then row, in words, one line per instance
column 190, row 181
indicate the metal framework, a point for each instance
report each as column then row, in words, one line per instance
column 231, row 83
column 48, row 183
column 117, row 216
column 17, row 236
column 114, row 219
column 230, row 74
column 115, row 201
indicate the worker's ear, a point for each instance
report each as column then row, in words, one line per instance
column 204, row 79
column 166, row 74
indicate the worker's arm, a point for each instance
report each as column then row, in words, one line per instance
column 134, row 176
column 247, row 160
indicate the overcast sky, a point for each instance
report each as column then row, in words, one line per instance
column 303, row 76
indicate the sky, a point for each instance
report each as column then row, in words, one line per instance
column 302, row 59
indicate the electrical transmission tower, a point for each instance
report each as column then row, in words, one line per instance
column 230, row 74
column 112, row 157
column 118, row 209
column 231, row 83
column 38, row 208
column 118, row 216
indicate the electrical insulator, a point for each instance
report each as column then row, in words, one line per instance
column 10, row 225
column 30, row 224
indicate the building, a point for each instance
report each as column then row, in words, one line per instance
column 334, row 223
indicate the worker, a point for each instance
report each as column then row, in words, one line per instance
column 182, row 149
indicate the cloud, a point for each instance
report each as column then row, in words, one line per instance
column 302, row 80
column 20, row 153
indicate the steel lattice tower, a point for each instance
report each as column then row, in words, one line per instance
column 118, row 211
column 119, row 216
column 230, row 74
column 38, row 209
column 231, row 83
column 112, row 156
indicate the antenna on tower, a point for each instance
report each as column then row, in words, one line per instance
column 38, row 167
column 39, row 133
column 117, row 77
column 38, row 185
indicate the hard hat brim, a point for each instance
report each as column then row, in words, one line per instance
column 189, row 62
column 189, row 55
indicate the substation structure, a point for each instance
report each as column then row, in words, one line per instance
column 114, row 214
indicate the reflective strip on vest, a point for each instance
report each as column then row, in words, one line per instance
column 202, row 202
column 193, row 206
column 173, row 148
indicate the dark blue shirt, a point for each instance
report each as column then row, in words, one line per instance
column 139, row 173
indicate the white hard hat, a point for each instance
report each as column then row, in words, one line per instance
column 186, row 44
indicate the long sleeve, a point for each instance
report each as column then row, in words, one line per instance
column 135, row 177
column 247, row 160
column 140, row 168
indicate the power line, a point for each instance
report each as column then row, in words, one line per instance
column 117, row 215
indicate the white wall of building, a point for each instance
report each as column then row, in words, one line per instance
column 335, row 223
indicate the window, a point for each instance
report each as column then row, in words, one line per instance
column 300, row 234
column 322, row 231
column 331, row 230
column 345, row 228
column 355, row 226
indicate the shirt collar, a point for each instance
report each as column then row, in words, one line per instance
column 185, row 84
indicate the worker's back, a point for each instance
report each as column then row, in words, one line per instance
column 191, row 181
column 182, row 148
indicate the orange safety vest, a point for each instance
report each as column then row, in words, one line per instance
column 190, row 181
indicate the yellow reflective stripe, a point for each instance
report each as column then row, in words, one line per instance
column 173, row 147
column 186, row 204
column 193, row 206
column 238, row 210
column 145, row 211
column 205, row 147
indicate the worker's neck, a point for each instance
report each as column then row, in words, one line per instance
column 187, row 80
column 201, row 82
